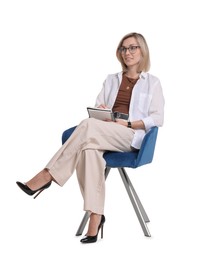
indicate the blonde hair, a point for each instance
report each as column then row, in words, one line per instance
column 145, row 62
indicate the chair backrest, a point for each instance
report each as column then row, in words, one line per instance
column 128, row 159
column 67, row 133
column 146, row 153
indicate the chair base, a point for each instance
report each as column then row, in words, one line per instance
column 136, row 203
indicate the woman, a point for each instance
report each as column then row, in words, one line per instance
column 137, row 96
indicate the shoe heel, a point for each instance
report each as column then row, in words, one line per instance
column 38, row 194
column 102, row 231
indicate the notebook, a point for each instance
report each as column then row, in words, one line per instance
column 101, row 113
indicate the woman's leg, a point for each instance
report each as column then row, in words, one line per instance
column 65, row 160
column 92, row 185
column 90, row 134
column 90, row 173
column 91, row 168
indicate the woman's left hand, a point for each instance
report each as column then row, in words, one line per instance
column 121, row 122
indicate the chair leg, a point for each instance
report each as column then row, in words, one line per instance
column 87, row 214
column 139, row 210
column 83, row 224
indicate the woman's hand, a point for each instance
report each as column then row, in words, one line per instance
column 102, row 106
column 121, row 122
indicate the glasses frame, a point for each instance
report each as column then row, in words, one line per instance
column 131, row 49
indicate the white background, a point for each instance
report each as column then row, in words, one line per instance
column 54, row 57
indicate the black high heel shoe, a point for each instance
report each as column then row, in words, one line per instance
column 30, row 192
column 93, row 239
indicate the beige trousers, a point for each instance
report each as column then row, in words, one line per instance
column 83, row 152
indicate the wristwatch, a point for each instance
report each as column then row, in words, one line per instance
column 129, row 124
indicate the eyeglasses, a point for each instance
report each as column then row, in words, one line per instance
column 131, row 49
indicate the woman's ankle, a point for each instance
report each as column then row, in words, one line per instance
column 47, row 176
column 93, row 224
column 39, row 180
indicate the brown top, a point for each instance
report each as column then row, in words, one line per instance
column 124, row 95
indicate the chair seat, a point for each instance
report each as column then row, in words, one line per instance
column 121, row 159
column 131, row 159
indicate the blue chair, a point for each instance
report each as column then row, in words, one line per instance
column 121, row 160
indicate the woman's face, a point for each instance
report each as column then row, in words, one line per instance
column 131, row 53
